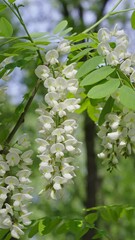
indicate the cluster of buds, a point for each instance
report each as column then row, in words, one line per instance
column 118, row 137
column 57, row 144
column 113, row 45
column 15, row 190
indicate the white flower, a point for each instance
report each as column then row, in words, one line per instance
column 58, row 133
column 3, row 168
column 113, row 135
column 51, row 98
column 72, row 85
column 104, row 48
column 61, row 84
column 20, row 198
column 70, row 144
column 16, row 231
column 47, row 122
column 46, row 169
column 72, row 104
column 52, row 56
column 11, row 181
column 69, row 125
column 58, row 149
column 24, row 140
column 58, row 181
column 69, row 71
column 64, row 47
column 126, row 66
column 132, row 77
column 50, row 84
column 42, row 72
column 133, row 59
column 112, row 59
column 59, row 108
column 67, row 171
column 102, row 155
column 43, row 144
column 122, row 40
column 121, row 51
column 25, row 219
column 24, row 176
column 13, row 158
column 3, row 193
column 104, row 35
column 129, row 119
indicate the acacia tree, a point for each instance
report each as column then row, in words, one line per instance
column 104, row 83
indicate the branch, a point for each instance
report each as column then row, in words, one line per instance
column 22, row 116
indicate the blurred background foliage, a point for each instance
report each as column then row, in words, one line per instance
column 93, row 185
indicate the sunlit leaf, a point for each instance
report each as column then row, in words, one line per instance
column 2, row 7
column 97, row 75
column 106, row 109
column 6, row 29
column 104, row 89
column 60, row 27
column 133, row 20
column 127, row 97
column 89, row 65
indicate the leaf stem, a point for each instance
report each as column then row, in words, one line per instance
column 18, row 15
column 103, row 18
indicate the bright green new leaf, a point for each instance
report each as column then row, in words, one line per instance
column 127, row 97
column 2, row 7
column 104, row 89
column 6, row 29
column 89, row 66
column 11, row 1
column 91, row 218
column 133, row 20
column 66, row 31
column 106, row 109
column 97, row 75
column 92, row 112
column 60, row 27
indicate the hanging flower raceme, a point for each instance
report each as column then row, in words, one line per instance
column 118, row 137
column 113, row 45
column 15, row 191
column 57, row 144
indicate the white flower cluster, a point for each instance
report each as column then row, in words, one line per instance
column 118, row 137
column 114, row 47
column 57, row 144
column 15, row 191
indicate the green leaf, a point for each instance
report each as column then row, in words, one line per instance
column 127, row 97
column 97, row 75
column 33, row 230
column 11, row 1
column 81, row 54
column 60, row 27
column 89, row 66
column 92, row 112
column 84, row 106
column 106, row 109
column 63, row 33
column 2, row 7
column 6, row 29
column 48, row 224
column 91, row 218
column 104, row 89
column 79, row 46
column 133, row 20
